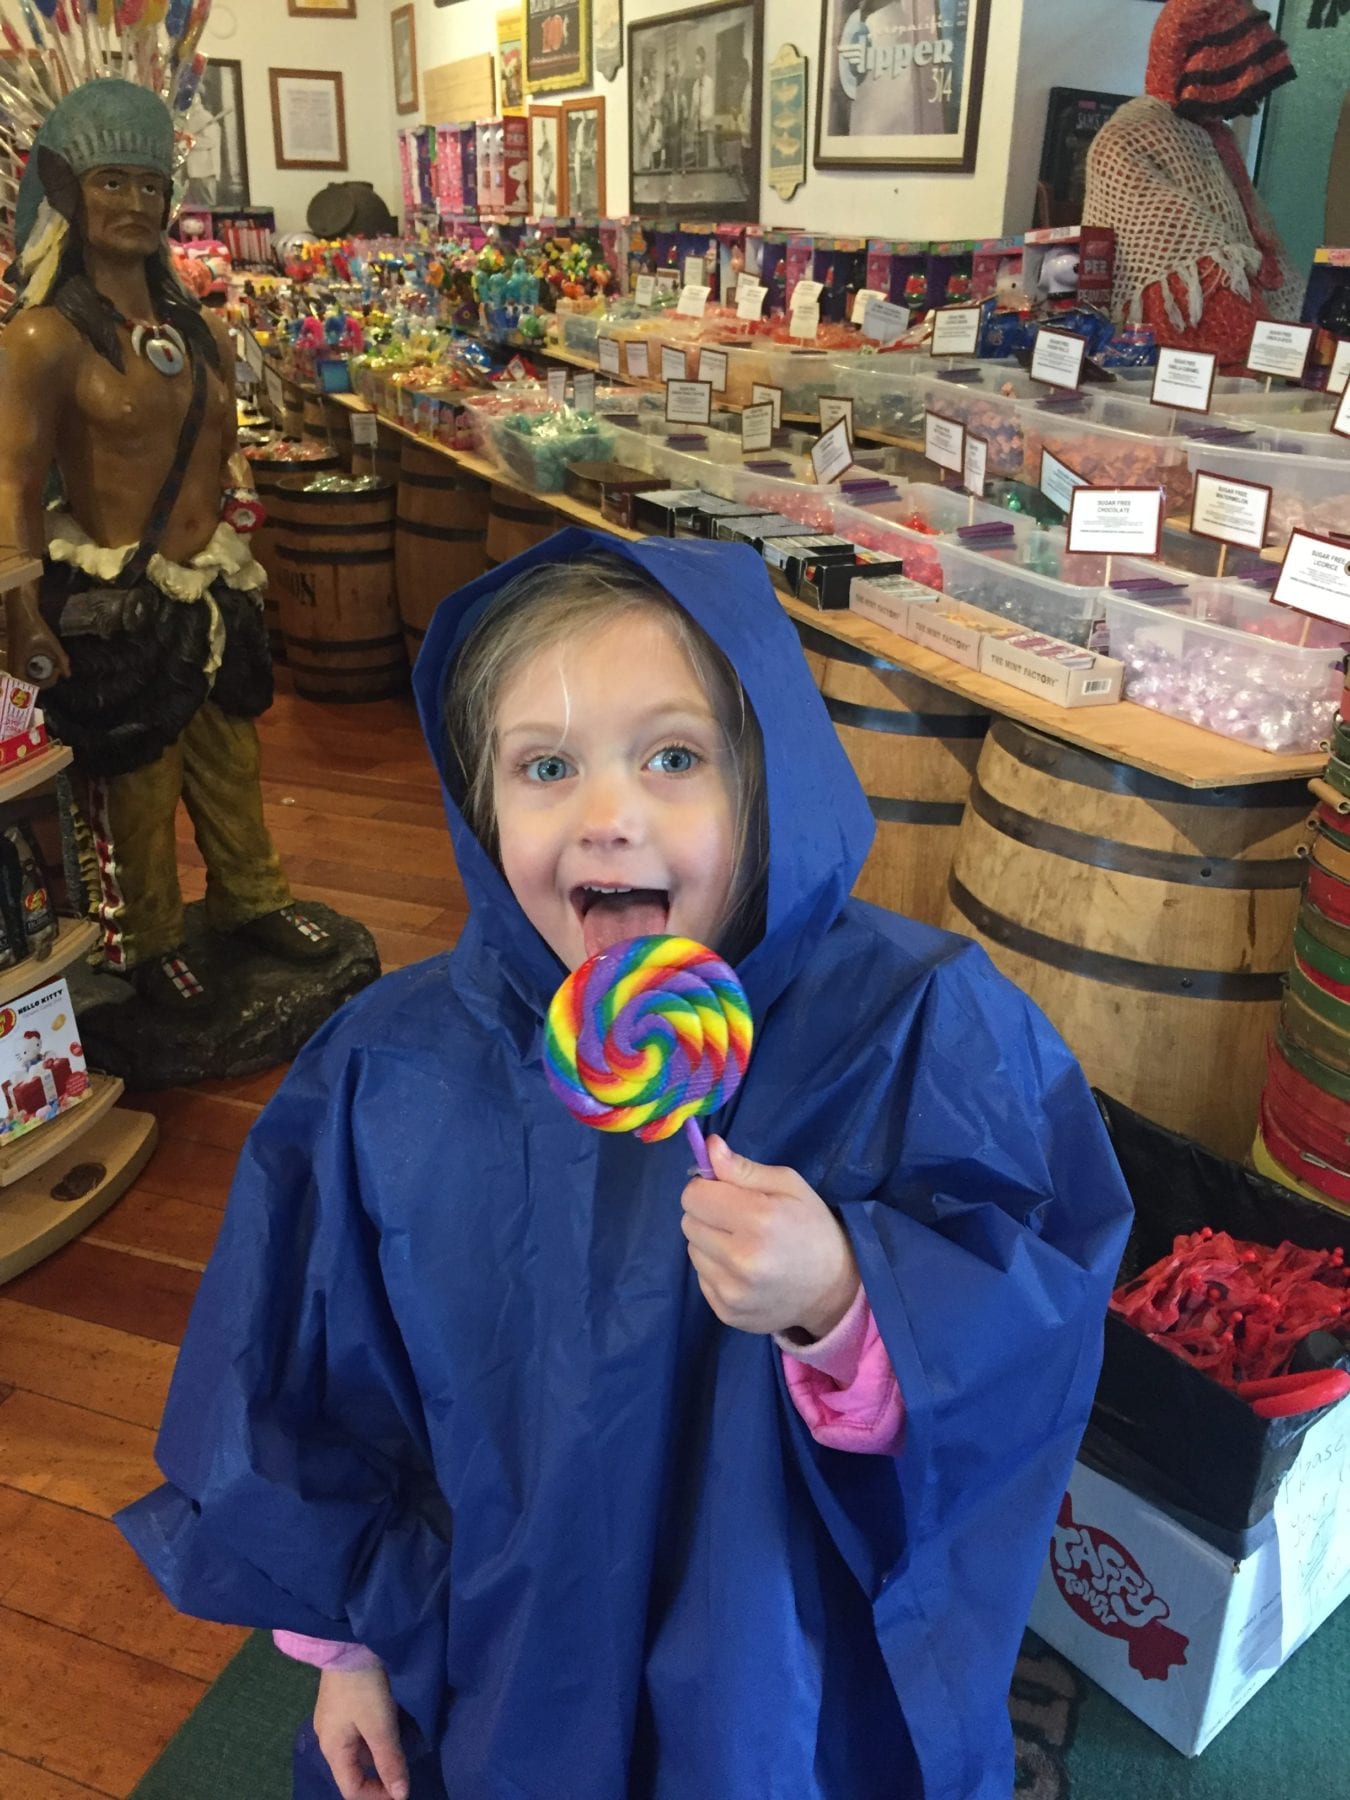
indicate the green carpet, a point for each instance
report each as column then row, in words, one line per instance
column 1074, row 1742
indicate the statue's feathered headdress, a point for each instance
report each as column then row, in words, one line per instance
column 87, row 84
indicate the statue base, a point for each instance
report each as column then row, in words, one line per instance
column 265, row 1011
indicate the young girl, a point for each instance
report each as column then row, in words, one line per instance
column 631, row 1486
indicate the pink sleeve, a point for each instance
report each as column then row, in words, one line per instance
column 324, row 1653
column 844, row 1387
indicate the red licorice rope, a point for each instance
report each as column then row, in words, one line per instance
column 1235, row 1310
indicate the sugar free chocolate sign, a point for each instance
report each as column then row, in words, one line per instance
column 1105, row 1586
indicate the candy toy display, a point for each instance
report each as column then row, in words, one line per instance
column 649, row 1036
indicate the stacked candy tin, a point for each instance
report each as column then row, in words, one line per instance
column 1304, row 1134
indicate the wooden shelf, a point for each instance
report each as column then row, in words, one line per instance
column 1135, row 735
column 76, row 938
column 36, row 1148
column 22, row 777
column 16, row 570
column 48, row 1208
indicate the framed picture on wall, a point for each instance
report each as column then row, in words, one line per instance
column 309, row 125
column 321, row 9
column 583, row 138
column 511, row 61
column 694, row 111
column 547, row 165
column 403, row 31
column 896, row 94
column 557, row 45
column 216, row 172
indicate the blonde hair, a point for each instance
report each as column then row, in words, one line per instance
column 552, row 603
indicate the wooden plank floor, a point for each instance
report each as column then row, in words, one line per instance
column 99, row 1671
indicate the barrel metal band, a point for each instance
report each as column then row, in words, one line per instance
column 1115, row 971
column 1066, row 763
column 914, row 812
column 321, row 527
column 414, row 478
column 906, row 724
column 451, row 534
column 327, row 558
column 344, row 646
column 523, row 515
column 366, row 677
column 1132, row 859
column 839, row 650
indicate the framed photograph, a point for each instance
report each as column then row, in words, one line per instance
column 547, row 166
column 403, row 31
column 693, row 111
column 557, row 45
column 900, row 91
column 511, row 61
column 321, row 9
column 216, row 172
column 583, row 136
column 607, row 36
column 309, row 125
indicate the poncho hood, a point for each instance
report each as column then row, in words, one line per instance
column 820, row 826
column 1214, row 59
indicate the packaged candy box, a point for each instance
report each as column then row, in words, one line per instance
column 42, row 1067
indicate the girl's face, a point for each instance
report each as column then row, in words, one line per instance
column 615, row 792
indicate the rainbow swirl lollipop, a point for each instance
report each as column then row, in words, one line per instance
column 647, row 1036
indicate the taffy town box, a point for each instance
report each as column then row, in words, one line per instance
column 42, row 1067
column 1175, row 1628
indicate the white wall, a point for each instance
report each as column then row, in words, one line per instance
column 1034, row 45
column 261, row 35
column 1101, row 45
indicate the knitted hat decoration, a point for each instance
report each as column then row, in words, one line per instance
column 1215, row 59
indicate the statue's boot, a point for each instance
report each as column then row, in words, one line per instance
column 290, row 934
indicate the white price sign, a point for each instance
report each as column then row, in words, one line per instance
column 583, row 393
column 861, row 300
column 834, row 407
column 975, row 465
column 805, row 322
column 1184, row 380
column 689, row 402
column 944, row 442
column 832, row 453
column 644, row 290
column 1058, row 481
column 638, row 366
column 712, row 368
column 694, row 299
column 884, row 322
column 774, row 395
column 607, row 354
column 1315, row 577
column 1057, row 357
column 1279, row 348
column 1116, row 521
column 673, row 365
column 694, row 270
column 1230, row 512
column 956, row 331
column 750, row 298
column 365, row 429
column 557, row 387
column 757, row 427
column 807, row 293
column 1339, row 376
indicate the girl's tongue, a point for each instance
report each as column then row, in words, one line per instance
column 610, row 918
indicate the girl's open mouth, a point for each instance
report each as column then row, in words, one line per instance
column 610, row 914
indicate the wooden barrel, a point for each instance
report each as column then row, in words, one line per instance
column 268, row 475
column 439, row 538
column 913, row 747
column 314, row 419
column 339, row 423
column 339, row 610
column 1153, row 923
column 516, row 522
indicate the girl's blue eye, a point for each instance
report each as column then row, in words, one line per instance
column 547, row 768
column 675, row 759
